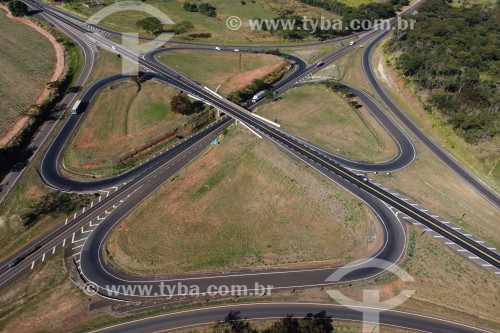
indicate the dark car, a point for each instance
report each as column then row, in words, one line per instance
column 15, row 262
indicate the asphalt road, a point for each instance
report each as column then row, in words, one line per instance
column 10, row 180
column 434, row 147
column 52, row 161
column 140, row 187
column 274, row 311
column 314, row 159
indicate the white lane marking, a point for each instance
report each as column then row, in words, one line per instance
column 43, row 257
column 438, row 236
column 74, row 216
column 83, row 210
column 32, row 264
column 66, row 222
column 76, row 247
column 79, row 240
column 54, row 249
column 461, row 250
column 473, row 257
column 64, row 242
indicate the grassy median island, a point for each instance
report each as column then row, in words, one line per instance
column 230, row 71
column 316, row 114
column 128, row 122
column 242, row 204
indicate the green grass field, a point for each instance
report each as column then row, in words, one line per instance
column 318, row 115
column 242, row 204
column 124, row 120
column 222, row 69
column 27, row 59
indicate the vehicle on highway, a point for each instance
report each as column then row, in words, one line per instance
column 15, row 262
column 218, row 48
column 236, row 50
column 352, row 43
column 113, row 47
column 258, row 96
column 74, row 110
column 363, row 178
column 319, row 64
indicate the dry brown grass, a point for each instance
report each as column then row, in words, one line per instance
column 446, row 285
column 231, row 209
column 124, row 120
column 318, row 115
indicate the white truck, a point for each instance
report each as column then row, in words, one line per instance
column 258, row 96
column 74, row 110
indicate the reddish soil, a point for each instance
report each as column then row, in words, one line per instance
column 244, row 79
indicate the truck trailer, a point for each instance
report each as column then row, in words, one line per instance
column 74, row 110
column 258, row 96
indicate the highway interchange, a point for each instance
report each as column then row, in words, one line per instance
column 87, row 232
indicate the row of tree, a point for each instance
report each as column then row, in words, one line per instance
column 311, row 323
column 370, row 11
column 453, row 58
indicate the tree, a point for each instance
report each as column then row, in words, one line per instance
column 190, row 7
column 311, row 323
column 233, row 323
column 18, row 8
column 180, row 103
column 182, row 27
column 269, row 94
column 151, row 24
column 207, row 9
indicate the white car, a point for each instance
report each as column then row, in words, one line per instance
column 236, row 50
column 218, row 48
column 352, row 43
column 113, row 47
